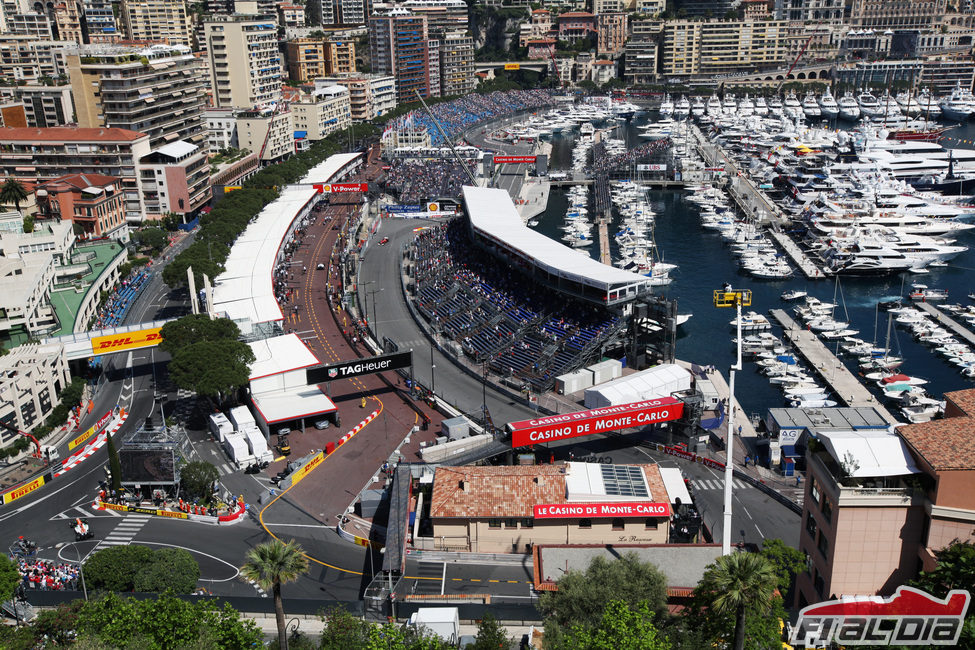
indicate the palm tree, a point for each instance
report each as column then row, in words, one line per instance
column 12, row 192
column 271, row 565
column 738, row 581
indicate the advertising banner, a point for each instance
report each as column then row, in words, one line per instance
column 512, row 66
column 514, row 159
column 307, row 468
column 587, row 423
column 404, row 208
column 102, row 421
column 595, row 510
column 23, row 490
column 349, row 369
column 651, row 168
column 126, row 341
column 338, row 188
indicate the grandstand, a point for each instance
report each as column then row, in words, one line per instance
column 501, row 317
column 117, row 306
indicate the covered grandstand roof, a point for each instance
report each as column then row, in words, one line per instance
column 324, row 171
column 493, row 214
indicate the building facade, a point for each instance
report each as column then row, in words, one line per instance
column 399, row 46
column 27, row 60
column 245, row 64
column 175, row 178
column 897, row 14
column 442, row 16
column 31, row 380
column 270, row 134
column 93, row 202
column 322, row 111
column 576, row 25
column 44, row 106
column 611, row 30
column 370, row 95
column 160, row 21
column 157, row 90
column 457, row 64
column 221, row 127
column 810, row 11
column 717, row 47
column 310, row 59
column 641, row 62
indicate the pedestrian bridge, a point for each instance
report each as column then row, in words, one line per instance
column 85, row 345
column 537, row 66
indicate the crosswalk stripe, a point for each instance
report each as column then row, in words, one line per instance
column 226, row 469
column 113, row 543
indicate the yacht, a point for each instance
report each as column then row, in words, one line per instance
column 889, row 108
column 792, row 106
column 811, row 107
column 698, row 108
column 908, row 104
column 848, row 108
column 828, row 106
column 728, row 105
column 746, row 106
column 713, row 106
column 958, row 105
column 682, row 108
column 869, row 105
column 775, row 106
column 761, row 108
column 930, row 108
column 666, row 107
column 659, row 130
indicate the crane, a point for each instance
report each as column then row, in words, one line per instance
column 793, row 66
column 37, row 446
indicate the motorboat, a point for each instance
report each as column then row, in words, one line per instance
column 682, row 108
column 923, row 293
column 792, row 106
column 698, row 108
column 869, row 105
column 761, row 108
column 794, row 294
column 746, row 106
column 828, row 106
column 811, row 107
column 849, row 109
column 908, row 104
column 666, row 107
column 958, row 105
column 752, row 322
column 713, row 106
column 930, row 107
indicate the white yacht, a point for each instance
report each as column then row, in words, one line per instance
column 682, row 108
column 713, row 106
column 930, row 108
column 792, row 106
column 869, row 105
column 698, row 107
column 908, row 104
column 746, row 106
column 761, row 108
column 775, row 106
column 889, row 108
column 728, row 105
column 828, row 106
column 848, row 108
column 811, row 107
column 666, row 107
column 958, row 105
column 659, row 130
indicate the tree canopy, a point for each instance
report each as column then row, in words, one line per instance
column 621, row 628
column 212, row 368
column 9, row 578
column 271, row 565
column 955, row 570
column 196, row 328
column 139, row 568
column 197, row 478
column 151, row 237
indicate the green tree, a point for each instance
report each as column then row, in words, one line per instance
column 786, row 561
column 9, row 578
column 170, row 570
column 955, row 570
column 151, row 237
column 197, row 479
column 12, row 192
column 582, row 595
column 114, row 464
column 212, row 368
column 342, row 630
column 736, row 583
column 491, row 635
column 196, row 328
column 271, row 565
column 621, row 628
column 29, row 223
column 115, row 568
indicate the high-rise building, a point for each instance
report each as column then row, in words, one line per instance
column 310, row 58
column 457, row 64
column 399, row 45
column 175, row 178
column 32, row 25
column 641, row 62
column 900, row 14
column 610, row 33
column 370, row 95
column 268, row 133
column 164, row 21
column 434, row 68
column 720, row 46
column 24, row 59
column 442, row 15
column 245, row 64
column 348, row 12
column 43, row 105
column 67, row 21
column 157, row 90
column 708, row 8
column 98, row 22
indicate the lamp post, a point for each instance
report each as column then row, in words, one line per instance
column 433, row 378
column 484, row 389
column 375, row 322
column 81, row 571
column 728, row 297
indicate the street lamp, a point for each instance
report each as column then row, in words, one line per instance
column 374, row 322
column 433, row 378
column 728, row 297
column 81, row 570
column 484, row 389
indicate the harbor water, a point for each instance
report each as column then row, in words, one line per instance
column 706, row 263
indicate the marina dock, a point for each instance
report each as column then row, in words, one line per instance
column 799, row 258
column 604, row 255
column 652, row 183
column 840, row 380
column 956, row 328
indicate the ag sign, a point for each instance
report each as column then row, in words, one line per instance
column 595, row 510
column 349, row 369
column 587, row 423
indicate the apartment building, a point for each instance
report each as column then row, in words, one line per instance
column 267, row 133
column 609, row 6
column 93, row 202
column 162, row 21
column 32, row 25
column 611, row 30
column 26, row 60
column 434, row 67
column 221, row 128
column 32, row 377
column 540, row 26
column 291, row 15
column 879, row 505
column 322, row 111
column 43, row 105
column 714, row 47
column 540, row 49
column 704, row 8
column 603, row 71
column 175, row 178
column 310, row 58
column 897, row 14
column 157, row 90
column 99, row 22
column 810, row 11
column 35, row 155
column 651, row 7
column 442, row 16
column 67, row 21
column 641, row 62
column 370, row 95
column 245, row 64
column 457, row 64
column 576, row 25
column 399, row 46
column 347, row 13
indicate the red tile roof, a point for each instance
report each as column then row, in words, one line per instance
column 949, row 443
column 68, row 134
column 576, row 14
column 80, row 181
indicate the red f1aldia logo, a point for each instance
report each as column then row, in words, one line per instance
column 909, row 617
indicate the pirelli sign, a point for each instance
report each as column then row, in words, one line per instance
column 25, row 489
column 123, row 341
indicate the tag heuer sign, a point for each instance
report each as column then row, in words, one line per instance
column 358, row 367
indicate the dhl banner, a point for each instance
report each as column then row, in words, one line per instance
column 126, row 341
column 91, row 431
column 307, row 468
column 23, row 490
column 512, row 66
column 227, row 189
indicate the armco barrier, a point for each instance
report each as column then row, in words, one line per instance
column 213, row 520
column 357, row 428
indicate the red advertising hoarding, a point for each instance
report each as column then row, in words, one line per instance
column 595, row 510
column 337, row 188
column 514, row 159
column 587, row 423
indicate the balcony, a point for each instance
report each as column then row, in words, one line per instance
column 845, row 490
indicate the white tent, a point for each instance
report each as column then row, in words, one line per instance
column 869, row 454
column 659, row 381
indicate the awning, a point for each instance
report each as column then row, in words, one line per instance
column 674, row 483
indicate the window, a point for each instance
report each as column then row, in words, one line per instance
column 811, row 525
column 819, row 584
column 527, row 522
column 585, row 523
column 813, row 489
column 494, row 523
column 510, row 523
column 827, row 510
column 651, row 524
column 619, row 524
column 823, row 545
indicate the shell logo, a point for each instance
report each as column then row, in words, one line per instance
column 433, row 207
column 326, row 189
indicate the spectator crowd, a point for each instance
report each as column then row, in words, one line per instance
column 47, row 576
